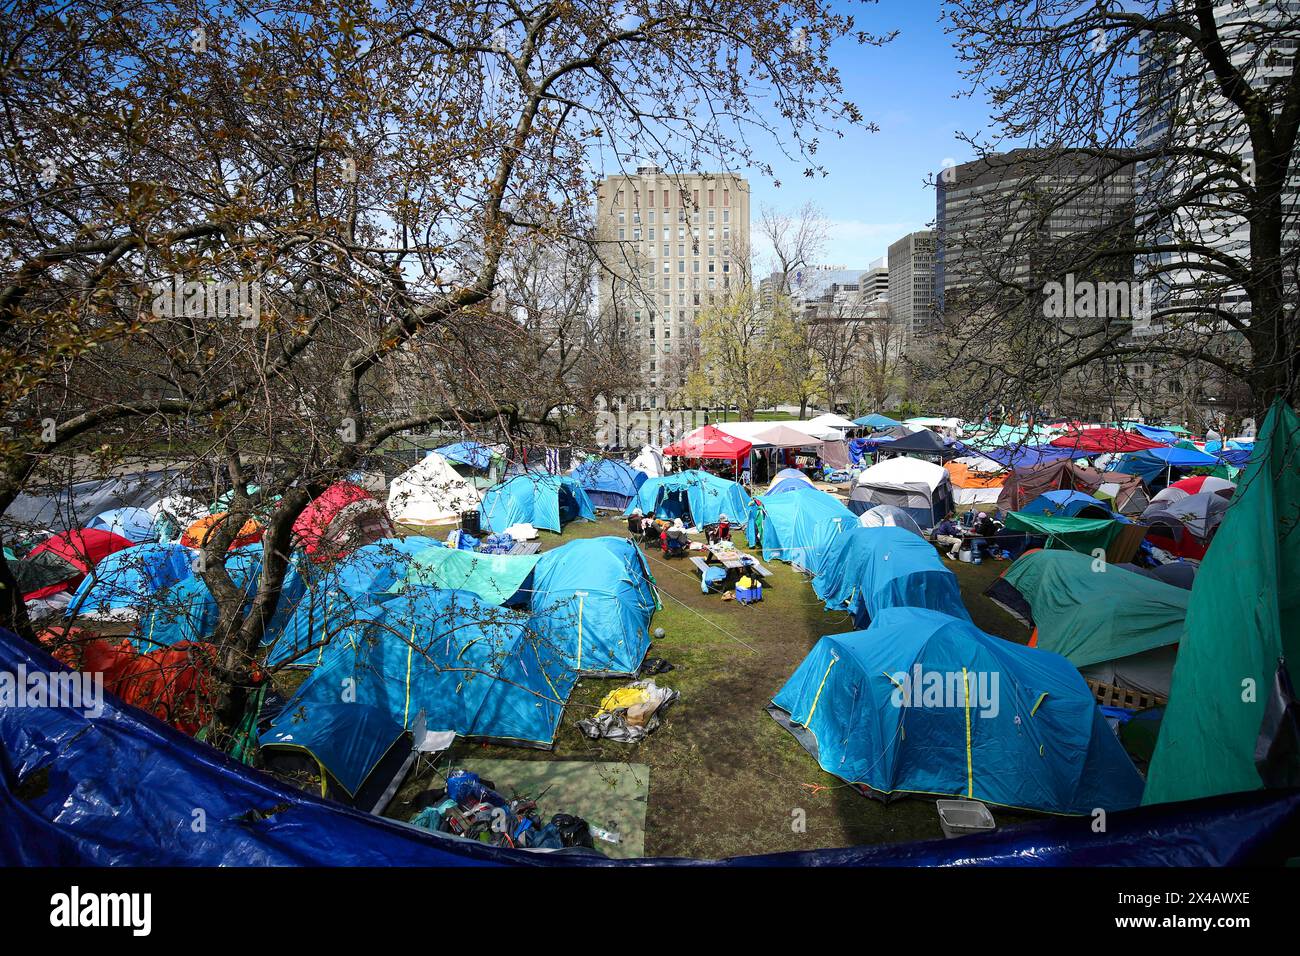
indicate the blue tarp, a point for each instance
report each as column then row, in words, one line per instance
column 695, row 495
column 592, row 602
column 118, row 786
column 1024, row 456
column 471, row 668
column 1067, row 504
column 131, row 577
column 134, row 524
column 542, row 500
column 866, row 570
column 1156, row 434
column 609, row 483
column 798, row 526
column 1150, row 462
column 925, row 703
column 472, row 453
column 334, row 593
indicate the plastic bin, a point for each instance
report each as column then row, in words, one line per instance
column 964, row 817
column 750, row 595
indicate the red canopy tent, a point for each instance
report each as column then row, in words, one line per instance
column 710, row 442
column 1105, row 440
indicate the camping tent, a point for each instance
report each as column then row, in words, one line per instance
column 430, row 492
column 126, row 580
column 134, row 524
column 697, row 497
column 592, row 603
column 61, row 561
column 1240, row 622
column 1115, row 626
column 609, row 483
column 924, row 703
column 541, row 500
column 493, row 578
column 650, row 461
column 887, row 516
column 865, row 570
column 975, row 483
column 471, row 669
column 1023, row 485
column 1150, row 463
column 875, row 421
column 341, row 519
column 1199, row 483
column 788, row 479
column 921, row 488
column 197, row 534
column 1068, row 504
column 796, row 525
column 173, row 514
column 1024, row 456
column 923, row 442
column 1084, row 535
column 831, row 420
column 711, row 442
column 472, row 454
column 1104, row 440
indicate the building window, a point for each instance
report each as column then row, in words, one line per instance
column 710, row 201
column 726, row 201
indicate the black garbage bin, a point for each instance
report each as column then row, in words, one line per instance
column 470, row 523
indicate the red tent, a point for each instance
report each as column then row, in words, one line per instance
column 82, row 550
column 710, row 442
column 344, row 517
column 1105, row 440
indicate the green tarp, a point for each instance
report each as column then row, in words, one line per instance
column 1088, row 615
column 1241, row 619
column 495, row 578
column 1070, row 534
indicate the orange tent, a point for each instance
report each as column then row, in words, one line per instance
column 963, row 477
column 196, row 534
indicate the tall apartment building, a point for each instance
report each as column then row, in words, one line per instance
column 670, row 244
column 1008, row 216
column 911, row 265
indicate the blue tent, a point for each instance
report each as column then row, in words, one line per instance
column 1150, row 462
column 1024, row 456
column 187, row 611
column 697, row 497
column 134, row 524
column 609, row 483
column 536, row 498
column 131, row 577
column 875, row 421
column 798, row 526
column 474, row 454
column 788, row 479
column 347, row 741
column 471, row 668
column 592, row 601
column 333, row 593
column 1156, row 434
column 924, row 703
column 866, row 570
column 1068, row 504
column 87, row 812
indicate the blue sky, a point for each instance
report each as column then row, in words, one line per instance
column 875, row 189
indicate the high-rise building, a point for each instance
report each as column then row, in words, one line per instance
column 670, row 244
column 911, row 282
column 1009, row 217
column 874, row 283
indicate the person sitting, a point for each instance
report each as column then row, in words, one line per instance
column 721, row 531
column 948, row 534
column 674, row 538
column 982, row 533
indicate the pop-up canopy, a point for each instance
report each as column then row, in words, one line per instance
column 710, row 442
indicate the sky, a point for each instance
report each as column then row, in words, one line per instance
column 875, row 191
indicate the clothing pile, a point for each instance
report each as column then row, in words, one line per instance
column 629, row 713
column 472, row 808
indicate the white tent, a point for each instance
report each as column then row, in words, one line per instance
column 430, row 492
column 888, row 516
column 921, row 488
column 769, row 434
column 650, row 461
column 818, row 430
column 173, row 514
column 831, row 420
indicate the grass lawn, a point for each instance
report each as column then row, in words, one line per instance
column 724, row 778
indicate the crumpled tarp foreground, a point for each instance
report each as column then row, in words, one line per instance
column 122, row 789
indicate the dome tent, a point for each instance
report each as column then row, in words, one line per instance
column 789, row 479
column 888, row 516
column 173, row 514
column 536, row 498
column 126, row 580
column 430, row 492
column 921, row 488
column 1068, row 504
column 341, row 519
column 609, row 483
column 797, row 527
column 924, row 703
column 134, row 524
column 697, row 497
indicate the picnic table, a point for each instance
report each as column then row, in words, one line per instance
column 526, row 547
column 735, row 562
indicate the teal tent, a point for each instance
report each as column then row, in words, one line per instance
column 798, row 525
column 494, row 578
column 695, row 496
column 1224, row 719
column 876, row 421
column 592, row 603
column 1084, row 535
column 472, row 669
column 535, row 498
column 866, row 570
column 924, row 703
column 1119, row 626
